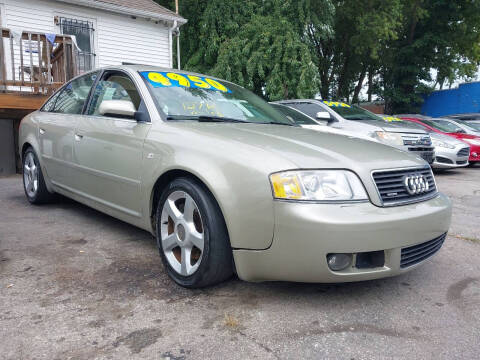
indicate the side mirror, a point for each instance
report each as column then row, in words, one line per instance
column 323, row 115
column 291, row 119
column 117, row 108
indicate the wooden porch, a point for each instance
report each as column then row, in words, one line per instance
column 31, row 68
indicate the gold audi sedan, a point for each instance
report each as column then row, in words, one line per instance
column 227, row 183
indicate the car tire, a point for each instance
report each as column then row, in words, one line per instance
column 33, row 181
column 179, row 231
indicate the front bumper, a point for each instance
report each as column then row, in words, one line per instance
column 306, row 233
column 426, row 153
column 448, row 158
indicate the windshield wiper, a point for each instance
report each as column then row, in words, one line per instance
column 213, row 118
column 278, row 123
column 205, row 118
column 208, row 118
column 358, row 118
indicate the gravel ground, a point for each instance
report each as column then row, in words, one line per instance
column 77, row 284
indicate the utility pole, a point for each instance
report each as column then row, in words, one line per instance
column 178, row 38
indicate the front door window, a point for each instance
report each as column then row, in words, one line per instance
column 114, row 86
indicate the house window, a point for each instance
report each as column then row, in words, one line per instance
column 83, row 31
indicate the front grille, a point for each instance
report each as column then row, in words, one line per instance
column 421, row 149
column 426, row 153
column 461, row 162
column 464, row 152
column 444, row 160
column 412, row 140
column 391, row 185
column 414, row 254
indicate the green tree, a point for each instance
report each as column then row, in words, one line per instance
column 285, row 49
column 345, row 55
column 268, row 56
column 442, row 35
column 256, row 43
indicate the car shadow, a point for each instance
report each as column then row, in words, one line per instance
column 134, row 268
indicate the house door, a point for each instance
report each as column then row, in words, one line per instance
column 83, row 30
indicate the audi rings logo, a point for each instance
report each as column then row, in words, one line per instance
column 416, row 184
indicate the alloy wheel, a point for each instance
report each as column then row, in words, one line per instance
column 30, row 175
column 182, row 233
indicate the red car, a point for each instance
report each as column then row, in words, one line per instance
column 443, row 126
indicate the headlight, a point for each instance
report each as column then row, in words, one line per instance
column 443, row 144
column 388, row 138
column 317, row 185
column 472, row 141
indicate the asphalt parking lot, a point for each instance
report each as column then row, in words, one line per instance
column 77, row 284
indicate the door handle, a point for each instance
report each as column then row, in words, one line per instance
column 41, row 131
column 78, row 137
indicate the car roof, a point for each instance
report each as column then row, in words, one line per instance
column 442, row 118
column 465, row 116
column 414, row 116
column 313, row 101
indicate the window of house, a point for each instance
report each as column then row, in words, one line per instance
column 84, row 34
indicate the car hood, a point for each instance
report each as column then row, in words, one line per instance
column 390, row 126
column 302, row 148
column 445, row 138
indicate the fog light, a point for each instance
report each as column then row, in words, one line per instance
column 474, row 154
column 337, row 262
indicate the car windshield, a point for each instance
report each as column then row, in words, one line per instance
column 443, row 125
column 351, row 112
column 183, row 96
column 469, row 125
column 296, row 116
column 412, row 125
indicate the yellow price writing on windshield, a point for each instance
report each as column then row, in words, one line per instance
column 174, row 79
column 158, row 78
column 391, row 118
column 336, row 104
column 182, row 80
column 197, row 81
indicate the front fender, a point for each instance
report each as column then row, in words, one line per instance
column 239, row 183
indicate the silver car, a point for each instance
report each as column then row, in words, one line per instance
column 450, row 153
column 228, row 184
column 341, row 118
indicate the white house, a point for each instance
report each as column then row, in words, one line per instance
column 38, row 53
column 108, row 32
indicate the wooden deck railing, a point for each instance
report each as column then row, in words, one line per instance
column 32, row 64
